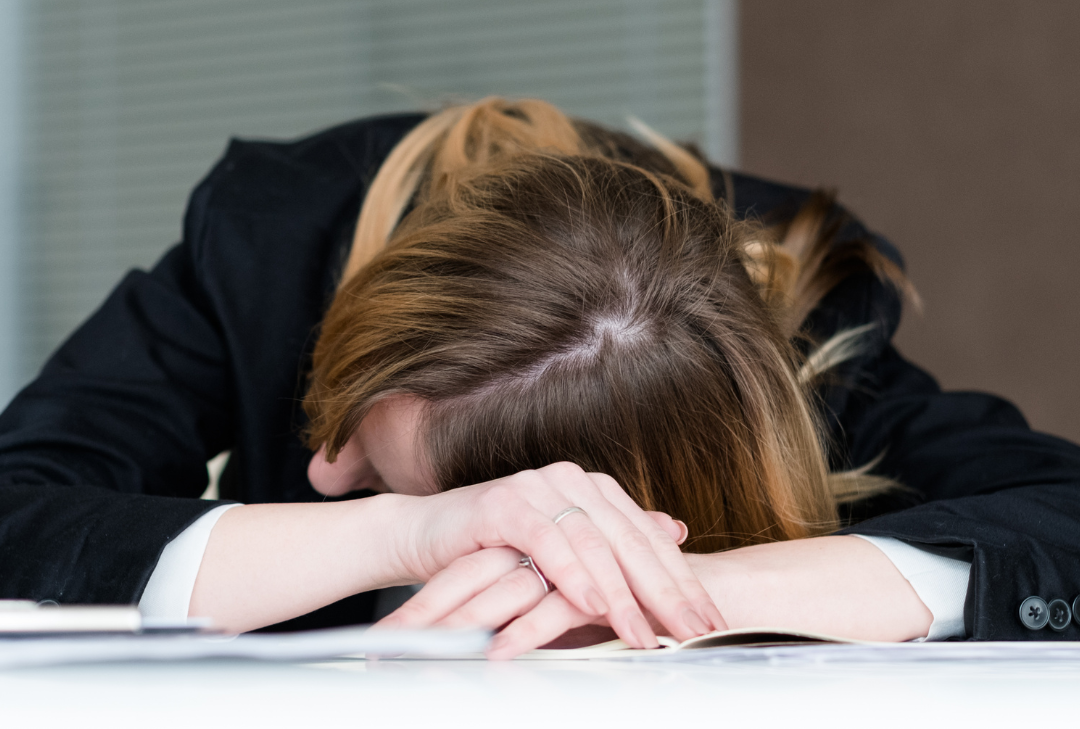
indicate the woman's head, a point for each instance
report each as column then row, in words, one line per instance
column 554, row 302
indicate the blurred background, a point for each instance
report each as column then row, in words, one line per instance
column 947, row 125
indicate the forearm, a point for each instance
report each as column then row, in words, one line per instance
column 841, row 585
column 265, row 563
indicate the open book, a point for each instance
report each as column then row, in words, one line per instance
column 740, row 638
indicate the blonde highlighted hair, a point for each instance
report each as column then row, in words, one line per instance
column 557, row 291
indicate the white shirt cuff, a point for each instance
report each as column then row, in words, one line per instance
column 168, row 592
column 940, row 582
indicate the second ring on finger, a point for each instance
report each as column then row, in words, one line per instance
column 514, row 594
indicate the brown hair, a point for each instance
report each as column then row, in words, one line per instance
column 560, row 292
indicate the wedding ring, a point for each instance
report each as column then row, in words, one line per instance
column 567, row 512
column 527, row 561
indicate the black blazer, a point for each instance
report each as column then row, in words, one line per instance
column 103, row 455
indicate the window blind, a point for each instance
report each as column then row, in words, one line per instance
column 129, row 102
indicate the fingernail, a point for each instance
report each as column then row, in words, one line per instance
column 595, row 602
column 693, row 621
column 644, row 634
column 683, row 533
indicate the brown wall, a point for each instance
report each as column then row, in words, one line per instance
column 953, row 127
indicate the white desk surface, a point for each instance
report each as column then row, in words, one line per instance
column 475, row 694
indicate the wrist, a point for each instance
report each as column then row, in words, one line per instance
column 431, row 531
column 394, row 549
column 733, row 587
column 838, row 585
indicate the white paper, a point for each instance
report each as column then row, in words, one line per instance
column 302, row 646
column 1018, row 651
column 27, row 617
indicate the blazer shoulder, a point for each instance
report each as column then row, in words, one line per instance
column 757, row 197
column 304, row 176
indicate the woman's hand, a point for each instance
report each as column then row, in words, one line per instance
column 604, row 562
column 491, row 588
column 842, row 586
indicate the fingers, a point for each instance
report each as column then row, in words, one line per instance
column 546, row 622
column 516, row 512
column 617, row 548
column 595, row 552
column 674, row 528
column 528, row 527
column 610, row 562
column 674, row 564
column 649, row 579
column 591, row 541
column 455, row 587
column 515, row 593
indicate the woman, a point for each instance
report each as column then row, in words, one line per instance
column 556, row 293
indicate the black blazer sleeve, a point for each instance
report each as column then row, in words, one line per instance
column 103, row 456
column 983, row 486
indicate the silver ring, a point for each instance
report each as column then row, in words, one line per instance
column 527, row 561
column 567, row 512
